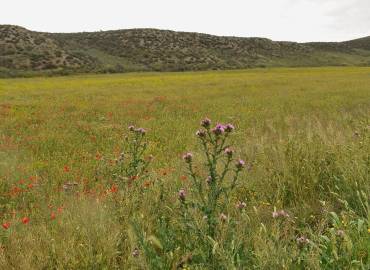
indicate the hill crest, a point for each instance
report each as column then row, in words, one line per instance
column 149, row 49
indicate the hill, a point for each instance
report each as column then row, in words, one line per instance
column 25, row 52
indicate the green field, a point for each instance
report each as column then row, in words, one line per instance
column 304, row 134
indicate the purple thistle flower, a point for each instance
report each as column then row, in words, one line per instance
column 141, row 131
column 240, row 164
column 182, row 195
column 188, row 157
column 201, row 133
column 206, row 123
column 229, row 128
column 219, row 129
column 229, row 152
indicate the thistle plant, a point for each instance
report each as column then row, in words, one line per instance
column 203, row 228
column 210, row 197
column 131, row 168
column 132, row 163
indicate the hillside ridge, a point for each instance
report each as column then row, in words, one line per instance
column 25, row 52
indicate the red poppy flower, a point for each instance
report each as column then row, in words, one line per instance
column 25, row 220
column 66, row 169
column 6, row 225
column 52, row 216
column 114, row 189
column 15, row 190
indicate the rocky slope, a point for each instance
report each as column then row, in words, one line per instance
column 23, row 51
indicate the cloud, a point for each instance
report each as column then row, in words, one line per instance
column 349, row 17
column 355, row 13
column 296, row 20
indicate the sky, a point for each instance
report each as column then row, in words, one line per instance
column 293, row 20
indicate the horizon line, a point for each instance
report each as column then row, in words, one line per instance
column 181, row 31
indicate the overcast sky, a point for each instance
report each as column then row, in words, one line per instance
column 295, row 20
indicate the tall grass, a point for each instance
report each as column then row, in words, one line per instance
column 301, row 202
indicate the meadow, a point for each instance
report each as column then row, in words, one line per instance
column 71, row 200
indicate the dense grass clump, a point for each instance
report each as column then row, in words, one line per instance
column 284, row 186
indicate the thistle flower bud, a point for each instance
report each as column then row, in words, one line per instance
column 140, row 131
column 209, row 180
column 182, row 195
column 281, row 213
column 121, row 156
column 302, row 241
column 135, row 252
column 240, row 164
column 341, row 233
column 131, row 128
column 206, row 123
column 188, row 157
column 218, row 130
column 229, row 128
column 229, row 152
column 241, row 205
column 201, row 133
column 223, row 217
